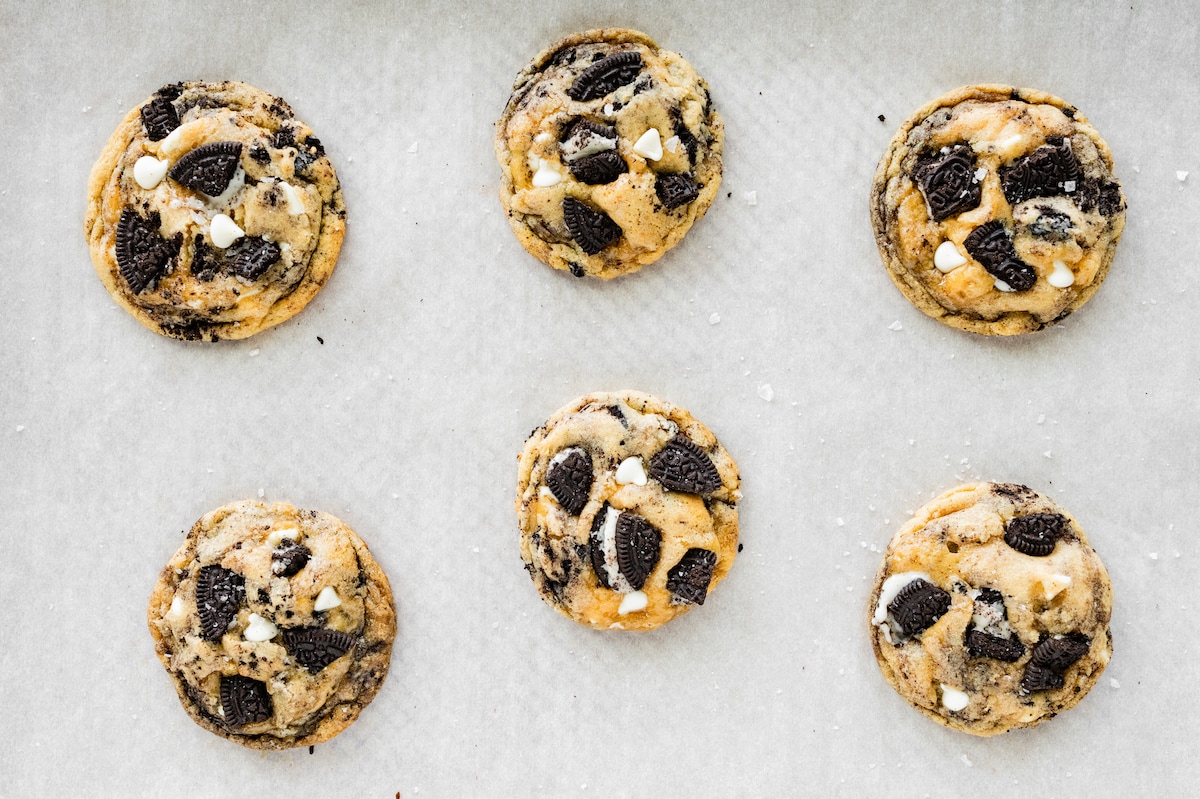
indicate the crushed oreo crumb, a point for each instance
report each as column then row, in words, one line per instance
column 682, row 466
column 688, row 579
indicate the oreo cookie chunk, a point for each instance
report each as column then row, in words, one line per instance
column 627, row 509
column 610, row 151
column 991, row 610
column 996, row 210
column 275, row 624
column 213, row 213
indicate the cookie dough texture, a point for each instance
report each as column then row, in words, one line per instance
column 1021, row 159
column 154, row 231
column 1030, row 608
column 647, row 169
column 286, row 605
column 627, row 508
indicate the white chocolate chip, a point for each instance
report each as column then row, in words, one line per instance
column 277, row 536
column 224, row 231
column 631, row 470
column 947, row 257
column 327, row 599
column 542, row 137
column 168, row 144
column 259, row 629
column 1053, row 585
column 295, row 204
column 149, row 171
column 176, row 610
column 954, row 699
column 672, row 144
column 632, row 603
column 546, row 175
column 649, row 146
column 1061, row 277
column 1002, row 286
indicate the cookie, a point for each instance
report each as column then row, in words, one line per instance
column 275, row 623
column 991, row 610
column 610, row 150
column 996, row 210
column 627, row 508
column 213, row 213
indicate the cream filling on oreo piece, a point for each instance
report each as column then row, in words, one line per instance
column 608, row 546
column 891, row 587
column 585, row 142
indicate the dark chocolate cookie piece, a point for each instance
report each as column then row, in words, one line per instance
column 682, row 466
column 1059, row 653
column 990, row 245
column 688, row 579
column 1040, row 678
column 244, row 701
column 918, row 605
column 570, row 479
column 255, row 256
column 984, row 645
column 219, row 594
column 1034, row 533
column 676, row 190
column 592, row 230
column 638, row 544
column 289, row 558
column 947, row 179
column 599, row 168
column 208, row 168
column 314, row 648
column 159, row 116
column 143, row 255
column 606, row 75
column 1049, row 171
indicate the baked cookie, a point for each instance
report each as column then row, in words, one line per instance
column 213, row 213
column 628, row 511
column 276, row 624
column 996, row 211
column 610, row 150
column 990, row 611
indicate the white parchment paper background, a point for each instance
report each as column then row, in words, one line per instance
column 444, row 344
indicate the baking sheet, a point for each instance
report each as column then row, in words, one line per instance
column 445, row 343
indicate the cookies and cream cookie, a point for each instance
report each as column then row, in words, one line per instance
column 275, row 623
column 610, row 150
column 991, row 610
column 627, row 508
column 213, row 213
column 996, row 210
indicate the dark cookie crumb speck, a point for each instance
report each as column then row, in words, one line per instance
column 682, row 466
column 918, row 605
column 208, row 168
column 570, row 480
column 244, row 701
column 689, row 578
